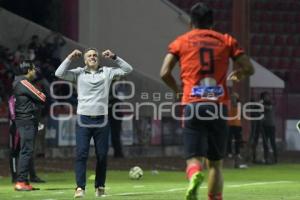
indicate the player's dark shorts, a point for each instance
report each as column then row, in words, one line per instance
column 205, row 132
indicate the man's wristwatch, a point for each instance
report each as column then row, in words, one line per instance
column 114, row 57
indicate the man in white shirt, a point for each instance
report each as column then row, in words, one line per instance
column 93, row 84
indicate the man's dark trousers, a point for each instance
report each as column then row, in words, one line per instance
column 88, row 127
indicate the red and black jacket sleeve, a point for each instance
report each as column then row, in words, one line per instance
column 32, row 92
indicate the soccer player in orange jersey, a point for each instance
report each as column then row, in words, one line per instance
column 203, row 55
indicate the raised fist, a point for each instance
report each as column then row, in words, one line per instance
column 75, row 54
column 109, row 54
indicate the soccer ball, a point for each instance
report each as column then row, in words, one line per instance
column 135, row 173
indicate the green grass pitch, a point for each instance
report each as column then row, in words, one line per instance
column 273, row 182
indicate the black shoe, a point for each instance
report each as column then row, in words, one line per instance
column 37, row 180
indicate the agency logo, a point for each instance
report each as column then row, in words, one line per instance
column 248, row 111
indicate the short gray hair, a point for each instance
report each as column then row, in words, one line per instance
column 89, row 49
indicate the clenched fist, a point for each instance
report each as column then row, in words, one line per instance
column 75, row 54
column 109, row 54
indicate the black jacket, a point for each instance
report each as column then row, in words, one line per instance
column 28, row 100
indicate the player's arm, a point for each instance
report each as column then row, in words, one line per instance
column 63, row 72
column 243, row 68
column 166, row 72
column 31, row 91
column 124, row 67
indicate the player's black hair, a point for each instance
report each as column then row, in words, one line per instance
column 25, row 66
column 201, row 16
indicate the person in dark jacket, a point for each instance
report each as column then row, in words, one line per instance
column 14, row 146
column 255, row 131
column 28, row 99
column 268, row 128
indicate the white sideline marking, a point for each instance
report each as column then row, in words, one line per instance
column 138, row 186
column 37, row 194
column 60, row 192
column 258, row 183
column 205, row 187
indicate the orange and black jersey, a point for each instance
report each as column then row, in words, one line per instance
column 28, row 99
column 204, row 58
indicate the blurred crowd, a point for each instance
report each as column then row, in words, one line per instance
column 46, row 55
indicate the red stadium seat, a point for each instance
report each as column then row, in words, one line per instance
column 279, row 40
column 277, row 64
column 227, row 15
column 258, row 5
column 254, row 17
column 209, row 3
column 275, row 52
column 271, row 63
column 254, row 50
column 297, row 5
column 283, row 6
column 287, row 18
column 266, row 28
column 275, row 17
column 260, row 27
column 290, row 28
column 269, row 6
column 223, row 27
column 276, row 5
column 291, row 40
column 252, row 5
column 204, row 1
column 221, row 16
column 297, row 29
column 292, row 18
column 293, row 6
column 295, row 63
column 283, row 64
column 265, row 17
column 227, row 5
column 265, row 51
column 266, row 40
column 285, row 52
column 297, row 18
column 265, row 6
column 276, row 28
column 228, row 27
column 294, row 82
column 254, row 28
column 255, row 40
column 217, row 5
column 222, row 5
column 298, row 41
column 296, row 52
column 218, row 16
